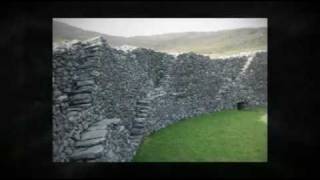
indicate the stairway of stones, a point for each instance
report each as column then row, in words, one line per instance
column 143, row 109
column 81, row 93
column 89, row 144
column 84, row 81
column 228, row 86
column 93, row 141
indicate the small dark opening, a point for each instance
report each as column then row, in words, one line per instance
column 242, row 105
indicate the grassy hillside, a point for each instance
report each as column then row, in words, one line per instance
column 220, row 42
column 61, row 31
column 228, row 136
column 206, row 43
column 65, row 32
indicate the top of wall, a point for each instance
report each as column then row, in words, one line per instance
column 101, row 41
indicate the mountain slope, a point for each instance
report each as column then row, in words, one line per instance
column 206, row 42
column 220, row 42
column 65, row 32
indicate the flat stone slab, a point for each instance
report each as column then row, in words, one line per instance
column 82, row 96
column 90, row 142
column 134, row 131
column 107, row 122
column 147, row 107
column 83, row 89
column 97, row 127
column 81, row 102
column 72, row 109
column 145, row 102
column 142, row 115
column 144, row 110
column 90, row 153
column 138, row 125
column 93, row 134
column 62, row 98
column 140, row 119
column 73, row 113
column 84, row 105
column 85, row 83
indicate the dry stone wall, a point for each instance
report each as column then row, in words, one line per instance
column 105, row 101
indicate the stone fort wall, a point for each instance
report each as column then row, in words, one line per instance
column 106, row 100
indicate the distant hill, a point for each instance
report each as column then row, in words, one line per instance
column 65, row 32
column 209, row 43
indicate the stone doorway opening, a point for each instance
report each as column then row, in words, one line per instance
column 242, row 105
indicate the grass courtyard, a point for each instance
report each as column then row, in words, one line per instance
column 227, row 136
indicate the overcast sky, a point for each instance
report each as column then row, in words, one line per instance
column 151, row 26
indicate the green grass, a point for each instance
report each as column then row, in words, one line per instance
column 227, row 136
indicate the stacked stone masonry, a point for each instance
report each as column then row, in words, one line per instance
column 105, row 101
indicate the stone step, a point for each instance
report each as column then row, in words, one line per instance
column 82, row 91
column 93, row 134
column 84, row 99
column 89, row 153
column 82, row 96
column 85, row 83
column 135, row 131
column 138, row 126
column 142, row 115
column 148, row 98
column 160, row 88
column 73, row 113
column 62, row 98
column 84, row 105
column 107, row 122
column 144, row 110
column 143, row 107
column 90, row 142
column 84, row 77
column 88, row 56
column 95, row 73
column 138, row 123
column 94, row 128
column 72, row 109
column 143, row 102
column 86, row 88
column 73, row 118
column 81, row 103
column 156, row 95
column 135, row 138
column 139, row 119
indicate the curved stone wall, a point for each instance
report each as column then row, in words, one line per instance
column 106, row 100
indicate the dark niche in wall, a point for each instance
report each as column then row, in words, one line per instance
column 242, row 105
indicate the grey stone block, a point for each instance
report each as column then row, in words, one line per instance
column 93, row 134
column 89, row 153
column 90, row 142
column 85, row 83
